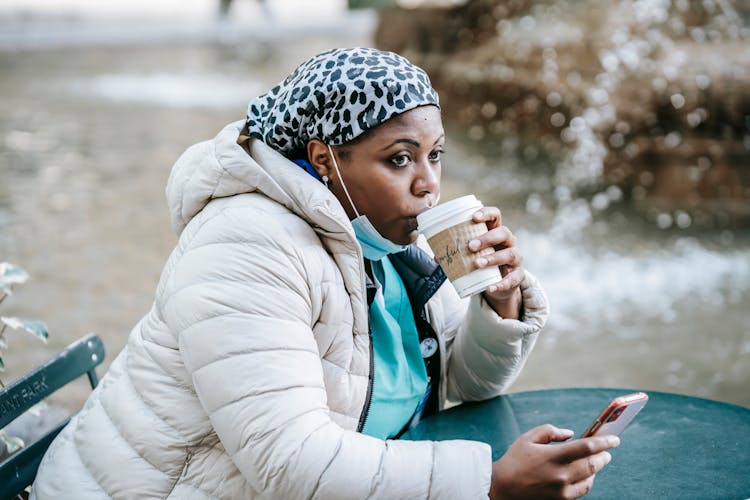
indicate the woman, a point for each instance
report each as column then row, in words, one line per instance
column 300, row 323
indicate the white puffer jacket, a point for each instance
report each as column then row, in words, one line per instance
column 248, row 376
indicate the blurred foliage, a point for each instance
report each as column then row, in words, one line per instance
column 11, row 275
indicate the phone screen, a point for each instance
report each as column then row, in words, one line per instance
column 617, row 415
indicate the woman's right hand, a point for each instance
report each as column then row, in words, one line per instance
column 532, row 468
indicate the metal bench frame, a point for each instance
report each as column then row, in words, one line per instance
column 83, row 356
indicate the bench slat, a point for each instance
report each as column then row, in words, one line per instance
column 80, row 357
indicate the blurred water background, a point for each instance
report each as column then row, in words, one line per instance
column 100, row 98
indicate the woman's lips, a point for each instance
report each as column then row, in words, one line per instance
column 411, row 220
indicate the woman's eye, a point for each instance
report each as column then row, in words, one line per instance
column 400, row 161
column 436, row 155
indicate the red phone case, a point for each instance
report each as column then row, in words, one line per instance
column 617, row 415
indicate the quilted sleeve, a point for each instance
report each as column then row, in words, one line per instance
column 488, row 352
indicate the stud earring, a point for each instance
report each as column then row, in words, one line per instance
column 326, row 181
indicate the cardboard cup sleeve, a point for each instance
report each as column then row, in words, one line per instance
column 451, row 248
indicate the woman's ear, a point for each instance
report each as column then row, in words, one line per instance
column 319, row 157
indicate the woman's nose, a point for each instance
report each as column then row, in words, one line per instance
column 427, row 180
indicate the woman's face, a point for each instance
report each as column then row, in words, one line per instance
column 392, row 172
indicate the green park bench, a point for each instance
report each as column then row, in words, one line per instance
column 19, row 469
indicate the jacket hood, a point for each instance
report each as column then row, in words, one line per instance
column 221, row 167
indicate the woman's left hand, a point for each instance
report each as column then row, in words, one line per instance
column 505, row 296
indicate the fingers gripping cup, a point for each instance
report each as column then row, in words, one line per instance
column 449, row 228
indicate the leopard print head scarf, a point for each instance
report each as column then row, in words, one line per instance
column 335, row 97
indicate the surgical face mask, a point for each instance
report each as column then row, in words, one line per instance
column 374, row 245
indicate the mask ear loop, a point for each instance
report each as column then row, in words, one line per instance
column 338, row 172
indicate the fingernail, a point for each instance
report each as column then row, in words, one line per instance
column 492, row 289
column 479, row 214
column 474, row 244
column 607, row 458
column 614, row 441
column 481, row 262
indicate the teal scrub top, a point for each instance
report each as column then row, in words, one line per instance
column 400, row 378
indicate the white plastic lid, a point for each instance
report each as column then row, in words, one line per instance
column 447, row 214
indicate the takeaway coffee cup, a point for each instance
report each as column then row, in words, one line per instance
column 449, row 229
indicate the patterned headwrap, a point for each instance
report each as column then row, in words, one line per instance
column 335, row 97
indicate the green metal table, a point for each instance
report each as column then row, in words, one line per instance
column 678, row 446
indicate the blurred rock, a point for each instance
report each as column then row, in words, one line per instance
column 651, row 96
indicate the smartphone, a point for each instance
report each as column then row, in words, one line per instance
column 617, row 415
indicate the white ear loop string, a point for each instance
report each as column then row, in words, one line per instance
column 338, row 172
